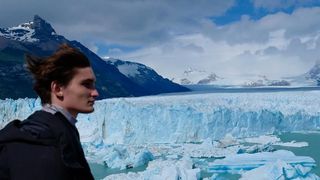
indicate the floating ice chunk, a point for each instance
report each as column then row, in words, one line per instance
column 117, row 156
column 208, row 148
column 279, row 170
column 302, row 170
column 213, row 177
column 243, row 162
column 272, row 139
column 292, row 144
column 163, row 169
column 228, row 140
column 256, row 149
column 142, row 158
column 264, row 139
column 172, row 156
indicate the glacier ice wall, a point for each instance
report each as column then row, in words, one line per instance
column 17, row 109
column 188, row 118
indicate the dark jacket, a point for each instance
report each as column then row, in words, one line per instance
column 42, row 147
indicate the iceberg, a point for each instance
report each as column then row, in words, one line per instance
column 127, row 156
column 237, row 163
column 117, row 156
column 280, row 170
column 273, row 140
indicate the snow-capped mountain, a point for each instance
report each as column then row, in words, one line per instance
column 33, row 31
column 39, row 38
column 194, row 76
column 23, row 32
column 145, row 76
column 314, row 73
column 262, row 80
column 129, row 69
column 310, row 78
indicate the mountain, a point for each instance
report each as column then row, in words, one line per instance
column 314, row 74
column 262, row 80
column 193, row 76
column 310, row 78
column 40, row 39
column 145, row 76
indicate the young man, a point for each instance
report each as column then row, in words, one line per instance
column 46, row 145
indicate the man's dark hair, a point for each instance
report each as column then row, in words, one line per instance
column 59, row 67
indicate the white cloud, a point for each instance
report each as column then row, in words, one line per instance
column 114, row 52
column 94, row 48
column 178, row 34
column 130, row 22
column 301, row 23
column 277, row 45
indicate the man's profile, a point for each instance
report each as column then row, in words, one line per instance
column 46, row 145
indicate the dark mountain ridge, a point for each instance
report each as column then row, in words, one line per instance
column 40, row 39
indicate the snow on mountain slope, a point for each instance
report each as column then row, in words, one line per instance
column 310, row 78
column 30, row 32
column 194, row 76
column 23, row 32
column 145, row 76
column 127, row 68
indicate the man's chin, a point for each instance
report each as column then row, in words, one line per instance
column 90, row 110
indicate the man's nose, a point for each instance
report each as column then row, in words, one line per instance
column 94, row 93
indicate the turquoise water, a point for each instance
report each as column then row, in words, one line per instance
column 312, row 150
column 100, row 171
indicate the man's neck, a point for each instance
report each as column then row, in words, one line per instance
column 53, row 108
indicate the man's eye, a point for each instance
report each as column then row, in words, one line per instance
column 88, row 85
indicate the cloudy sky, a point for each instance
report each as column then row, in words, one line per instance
column 275, row 38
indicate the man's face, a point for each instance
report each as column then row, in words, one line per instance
column 79, row 95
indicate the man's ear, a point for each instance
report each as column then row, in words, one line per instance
column 56, row 89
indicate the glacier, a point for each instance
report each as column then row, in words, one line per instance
column 194, row 118
column 163, row 132
column 187, row 118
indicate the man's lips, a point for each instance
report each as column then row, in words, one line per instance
column 91, row 102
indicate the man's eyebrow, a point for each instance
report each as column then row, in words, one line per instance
column 89, row 80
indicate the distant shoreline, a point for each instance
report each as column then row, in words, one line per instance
column 196, row 89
